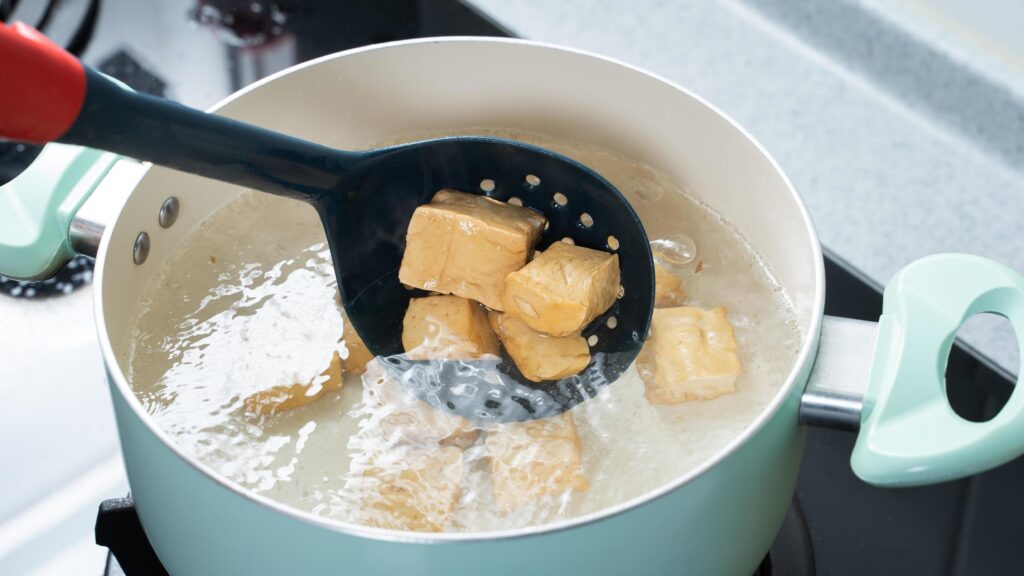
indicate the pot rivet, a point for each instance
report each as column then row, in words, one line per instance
column 141, row 249
column 169, row 212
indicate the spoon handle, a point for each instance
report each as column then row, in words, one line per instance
column 53, row 97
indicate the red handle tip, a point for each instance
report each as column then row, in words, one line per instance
column 44, row 86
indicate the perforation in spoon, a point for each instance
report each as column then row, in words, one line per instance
column 569, row 240
column 613, row 243
column 586, row 220
column 622, row 291
column 487, row 185
column 592, row 340
column 560, row 199
column 612, row 322
column 515, row 201
column 533, row 180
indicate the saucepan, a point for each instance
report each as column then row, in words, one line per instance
column 885, row 379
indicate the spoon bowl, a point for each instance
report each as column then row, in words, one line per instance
column 580, row 206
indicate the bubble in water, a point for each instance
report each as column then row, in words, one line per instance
column 674, row 252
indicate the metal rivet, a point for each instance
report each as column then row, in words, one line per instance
column 141, row 249
column 169, row 212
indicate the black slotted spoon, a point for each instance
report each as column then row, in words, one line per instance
column 365, row 201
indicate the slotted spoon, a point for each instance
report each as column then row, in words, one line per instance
column 365, row 200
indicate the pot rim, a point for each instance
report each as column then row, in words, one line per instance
column 808, row 345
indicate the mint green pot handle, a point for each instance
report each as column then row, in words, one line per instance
column 909, row 433
column 37, row 206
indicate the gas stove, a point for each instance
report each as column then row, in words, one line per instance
column 199, row 51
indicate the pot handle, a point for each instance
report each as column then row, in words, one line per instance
column 37, row 208
column 909, row 434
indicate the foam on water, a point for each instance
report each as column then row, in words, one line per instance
column 249, row 304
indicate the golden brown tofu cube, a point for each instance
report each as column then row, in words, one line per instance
column 412, row 488
column 691, row 355
column 446, row 327
column 563, row 288
column 533, row 459
column 358, row 354
column 465, row 244
column 404, row 419
column 668, row 288
column 540, row 356
column 288, row 396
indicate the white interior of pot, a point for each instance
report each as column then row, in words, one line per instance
column 458, row 85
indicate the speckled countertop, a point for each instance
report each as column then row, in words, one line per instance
column 903, row 131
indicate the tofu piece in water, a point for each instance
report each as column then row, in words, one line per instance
column 358, row 354
column 289, row 396
column 668, row 288
column 465, row 244
column 533, row 459
column 540, row 356
column 403, row 419
column 690, row 355
column 446, row 327
column 563, row 288
column 412, row 488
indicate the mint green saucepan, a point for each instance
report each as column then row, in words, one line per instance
column 884, row 379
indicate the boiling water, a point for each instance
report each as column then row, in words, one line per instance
column 249, row 303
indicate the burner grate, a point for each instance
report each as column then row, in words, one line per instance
column 74, row 274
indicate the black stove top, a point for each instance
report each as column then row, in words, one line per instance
column 199, row 51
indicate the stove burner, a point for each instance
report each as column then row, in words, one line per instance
column 246, row 23
column 118, row 528
column 77, row 272
column 792, row 553
column 68, row 24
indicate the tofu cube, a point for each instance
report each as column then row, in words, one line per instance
column 411, row 488
column 465, row 244
column 533, row 459
column 563, row 288
column 289, row 396
column 691, row 355
column 403, row 419
column 540, row 356
column 668, row 288
column 358, row 354
column 446, row 327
